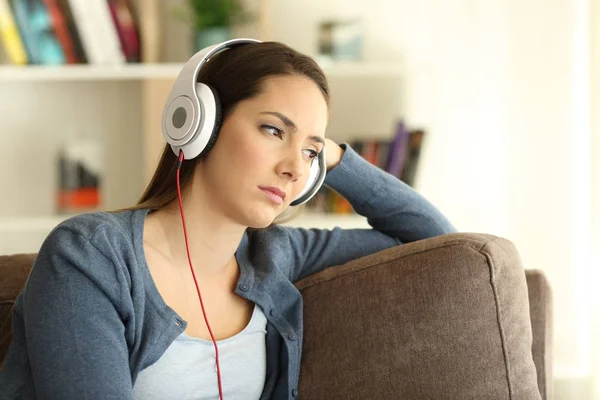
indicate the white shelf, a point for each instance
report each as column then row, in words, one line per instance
column 311, row 220
column 328, row 221
column 87, row 72
column 26, row 234
column 28, row 224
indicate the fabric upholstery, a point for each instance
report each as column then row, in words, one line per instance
column 540, row 305
column 442, row 318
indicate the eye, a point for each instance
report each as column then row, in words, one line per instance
column 273, row 131
column 312, row 154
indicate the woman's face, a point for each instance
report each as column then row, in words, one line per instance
column 266, row 141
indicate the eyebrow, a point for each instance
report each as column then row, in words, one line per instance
column 290, row 124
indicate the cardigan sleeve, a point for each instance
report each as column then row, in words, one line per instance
column 74, row 322
column 396, row 213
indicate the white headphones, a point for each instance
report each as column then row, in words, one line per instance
column 191, row 118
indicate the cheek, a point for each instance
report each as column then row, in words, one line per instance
column 247, row 153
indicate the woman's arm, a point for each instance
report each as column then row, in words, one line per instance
column 395, row 211
column 74, row 330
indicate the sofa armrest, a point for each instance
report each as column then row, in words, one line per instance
column 441, row 318
column 14, row 270
column 540, row 310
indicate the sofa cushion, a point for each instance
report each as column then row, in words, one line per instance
column 14, row 271
column 442, row 318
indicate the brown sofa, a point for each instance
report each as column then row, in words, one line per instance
column 451, row 317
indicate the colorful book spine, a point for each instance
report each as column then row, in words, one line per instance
column 61, row 29
column 11, row 39
column 398, row 150
column 122, row 16
column 35, row 26
column 97, row 31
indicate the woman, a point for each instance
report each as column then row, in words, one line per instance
column 111, row 309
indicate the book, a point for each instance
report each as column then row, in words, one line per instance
column 37, row 32
column 11, row 38
column 70, row 22
column 124, row 20
column 61, row 30
column 98, row 33
column 398, row 150
column 413, row 156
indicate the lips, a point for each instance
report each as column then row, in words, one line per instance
column 274, row 190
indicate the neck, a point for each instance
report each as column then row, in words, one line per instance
column 212, row 239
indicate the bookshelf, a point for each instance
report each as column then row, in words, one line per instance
column 122, row 105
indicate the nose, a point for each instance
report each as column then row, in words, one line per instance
column 292, row 165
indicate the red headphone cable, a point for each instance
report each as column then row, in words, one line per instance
column 180, row 161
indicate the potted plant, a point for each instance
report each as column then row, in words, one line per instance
column 211, row 20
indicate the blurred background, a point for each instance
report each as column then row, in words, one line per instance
column 489, row 108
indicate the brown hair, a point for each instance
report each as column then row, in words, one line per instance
column 236, row 74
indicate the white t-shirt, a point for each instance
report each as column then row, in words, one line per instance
column 188, row 371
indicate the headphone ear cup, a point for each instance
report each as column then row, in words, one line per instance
column 217, row 126
column 316, row 178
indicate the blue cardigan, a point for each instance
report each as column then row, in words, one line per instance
column 90, row 318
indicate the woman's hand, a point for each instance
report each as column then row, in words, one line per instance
column 333, row 154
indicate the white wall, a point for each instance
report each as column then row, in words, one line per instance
column 502, row 87
column 461, row 106
column 549, row 167
column 595, row 179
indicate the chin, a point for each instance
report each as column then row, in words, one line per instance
column 261, row 226
column 256, row 224
column 259, row 217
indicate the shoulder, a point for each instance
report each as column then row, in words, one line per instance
column 89, row 225
column 282, row 238
column 106, row 231
column 101, row 246
column 272, row 239
column 278, row 246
